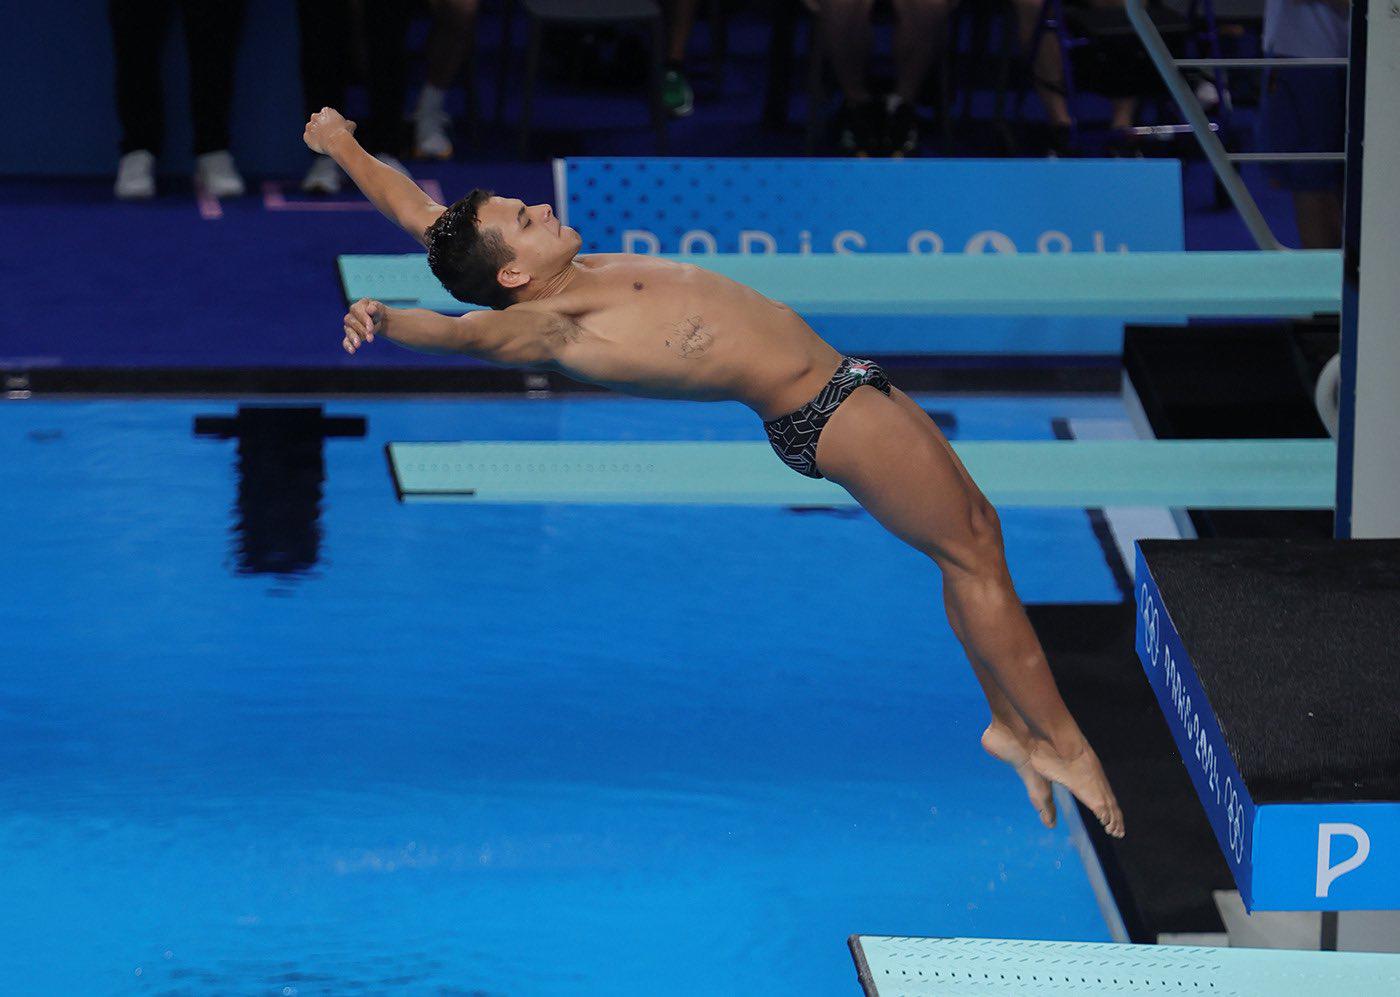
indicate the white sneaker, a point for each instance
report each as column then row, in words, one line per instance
column 1208, row 95
column 215, row 174
column 430, row 139
column 324, row 177
column 136, row 176
column 393, row 164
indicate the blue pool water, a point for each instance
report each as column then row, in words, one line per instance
column 488, row 750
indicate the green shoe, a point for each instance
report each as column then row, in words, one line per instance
column 676, row 94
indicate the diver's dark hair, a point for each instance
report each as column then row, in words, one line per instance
column 466, row 258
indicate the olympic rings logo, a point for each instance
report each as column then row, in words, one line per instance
column 1234, row 818
column 1151, row 624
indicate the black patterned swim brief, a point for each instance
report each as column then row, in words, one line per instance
column 794, row 436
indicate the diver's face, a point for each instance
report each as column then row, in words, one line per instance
column 542, row 245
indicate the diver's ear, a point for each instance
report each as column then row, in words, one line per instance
column 510, row 277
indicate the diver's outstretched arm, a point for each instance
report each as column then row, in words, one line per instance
column 397, row 197
column 523, row 335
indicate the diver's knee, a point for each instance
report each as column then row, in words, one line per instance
column 974, row 552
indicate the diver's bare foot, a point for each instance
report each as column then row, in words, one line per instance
column 1001, row 743
column 1083, row 776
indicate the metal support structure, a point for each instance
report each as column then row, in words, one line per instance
column 1327, row 942
column 1368, row 460
column 1195, row 114
column 1220, row 160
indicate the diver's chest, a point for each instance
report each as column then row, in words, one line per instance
column 648, row 331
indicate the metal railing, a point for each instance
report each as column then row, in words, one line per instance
column 1222, row 162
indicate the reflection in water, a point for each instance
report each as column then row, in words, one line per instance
column 281, row 470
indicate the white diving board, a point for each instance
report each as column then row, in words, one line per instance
column 1140, row 285
column 961, row 967
column 1237, row 474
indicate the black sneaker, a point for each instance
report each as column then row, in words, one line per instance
column 862, row 129
column 901, row 128
column 1124, row 143
column 1062, row 143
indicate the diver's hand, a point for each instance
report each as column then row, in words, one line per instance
column 363, row 322
column 322, row 128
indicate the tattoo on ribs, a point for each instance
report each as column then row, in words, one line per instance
column 690, row 339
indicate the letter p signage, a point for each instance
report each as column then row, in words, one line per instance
column 1327, row 873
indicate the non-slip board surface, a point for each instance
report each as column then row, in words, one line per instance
column 1294, row 642
column 1080, row 474
column 1115, row 284
column 953, row 967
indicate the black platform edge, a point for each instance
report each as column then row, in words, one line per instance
column 964, row 374
column 1245, row 380
column 1292, row 641
column 1162, row 873
column 863, row 974
column 393, row 472
column 1098, row 522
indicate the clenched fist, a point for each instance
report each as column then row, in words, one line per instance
column 322, row 127
column 362, row 322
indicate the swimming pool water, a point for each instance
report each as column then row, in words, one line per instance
column 551, row 749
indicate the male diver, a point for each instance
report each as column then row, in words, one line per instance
column 662, row 329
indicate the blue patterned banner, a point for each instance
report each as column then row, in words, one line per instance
column 692, row 206
column 852, row 205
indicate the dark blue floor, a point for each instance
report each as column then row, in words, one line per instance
column 99, row 283
column 91, row 282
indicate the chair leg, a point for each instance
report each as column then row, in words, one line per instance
column 1031, row 54
column 781, row 42
column 507, row 15
column 1062, row 31
column 999, row 125
column 719, row 43
column 473, row 97
column 1007, row 38
column 658, row 109
column 816, row 95
column 532, row 65
column 945, row 100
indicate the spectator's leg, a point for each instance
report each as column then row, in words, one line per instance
column 682, row 20
column 677, row 96
column 1124, row 113
column 1321, row 119
column 138, row 34
column 211, row 36
column 325, row 53
column 453, row 22
column 452, row 32
column 325, row 73
column 1319, row 215
column 1304, row 110
column 1047, row 70
column 386, row 75
column 1124, row 108
column 656, row 97
column 920, row 33
column 846, row 30
column 846, row 33
column 534, row 42
column 781, row 42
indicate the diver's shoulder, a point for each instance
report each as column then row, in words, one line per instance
column 647, row 259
